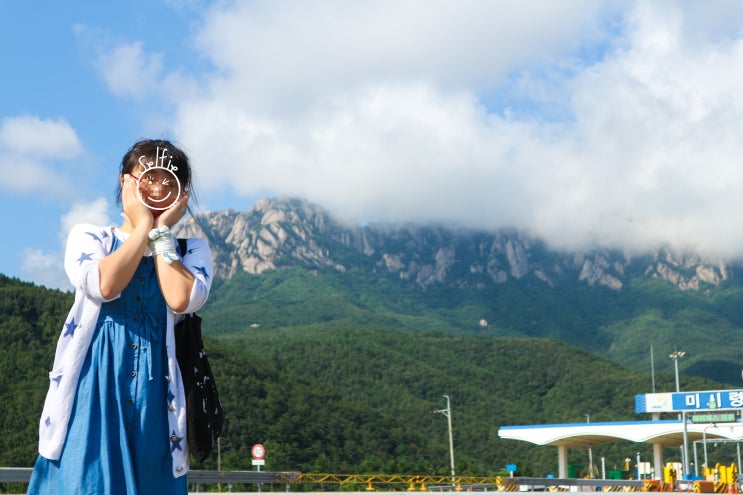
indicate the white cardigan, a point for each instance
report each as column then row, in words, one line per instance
column 86, row 246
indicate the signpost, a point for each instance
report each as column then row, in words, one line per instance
column 258, row 452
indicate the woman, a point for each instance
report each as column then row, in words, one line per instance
column 114, row 420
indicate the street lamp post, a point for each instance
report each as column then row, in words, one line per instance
column 590, row 452
column 676, row 355
column 447, row 412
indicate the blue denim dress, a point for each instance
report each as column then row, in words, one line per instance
column 118, row 440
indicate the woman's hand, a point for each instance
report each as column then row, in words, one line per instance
column 135, row 212
column 176, row 282
column 116, row 269
column 173, row 215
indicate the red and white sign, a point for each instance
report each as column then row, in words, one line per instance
column 258, row 451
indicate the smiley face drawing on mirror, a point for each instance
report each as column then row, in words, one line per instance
column 158, row 187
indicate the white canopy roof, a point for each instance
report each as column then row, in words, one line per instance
column 668, row 433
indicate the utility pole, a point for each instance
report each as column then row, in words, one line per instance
column 676, row 355
column 447, row 412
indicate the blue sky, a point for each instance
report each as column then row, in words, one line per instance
column 588, row 123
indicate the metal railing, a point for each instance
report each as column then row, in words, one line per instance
column 23, row 475
column 373, row 481
column 15, row 475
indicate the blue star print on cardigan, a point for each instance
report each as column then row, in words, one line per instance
column 176, row 441
column 84, row 257
column 202, row 270
column 91, row 234
column 70, row 328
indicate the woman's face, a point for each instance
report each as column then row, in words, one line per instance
column 158, row 188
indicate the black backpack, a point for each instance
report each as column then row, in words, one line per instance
column 204, row 412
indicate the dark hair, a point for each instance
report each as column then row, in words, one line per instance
column 146, row 150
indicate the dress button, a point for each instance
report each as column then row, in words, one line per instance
column 133, row 373
column 136, row 318
column 174, row 438
column 138, row 298
column 141, row 277
column 179, row 468
column 129, row 400
column 171, row 408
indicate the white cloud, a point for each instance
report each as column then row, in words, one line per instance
column 366, row 106
column 273, row 56
column 44, row 269
column 378, row 152
column 657, row 138
column 31, row 135
column 129, row 71
column 94, row 212
column 31, row 149
column 127, row 68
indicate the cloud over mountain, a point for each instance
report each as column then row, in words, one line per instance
column 620, row 127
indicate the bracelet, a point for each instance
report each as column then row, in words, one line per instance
column 161, row 242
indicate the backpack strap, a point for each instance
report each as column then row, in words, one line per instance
column 182, row 246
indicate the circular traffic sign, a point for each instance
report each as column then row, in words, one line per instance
column 258, row 451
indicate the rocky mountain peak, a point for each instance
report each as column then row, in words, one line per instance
column 281, row 232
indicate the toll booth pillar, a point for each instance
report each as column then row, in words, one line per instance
column 562, row 461
column 658, row 461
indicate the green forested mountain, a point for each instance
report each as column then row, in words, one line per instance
column 399, row 350
column 333, row 377
column 618, row 325
column 30, row 319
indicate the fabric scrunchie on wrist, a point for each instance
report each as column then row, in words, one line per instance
column 161, row 242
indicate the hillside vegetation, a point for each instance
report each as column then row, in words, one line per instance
column 618, row 325
column 344, row 377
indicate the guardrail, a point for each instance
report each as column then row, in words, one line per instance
column 15, row 475
column 23, row 475
column 199, row 477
